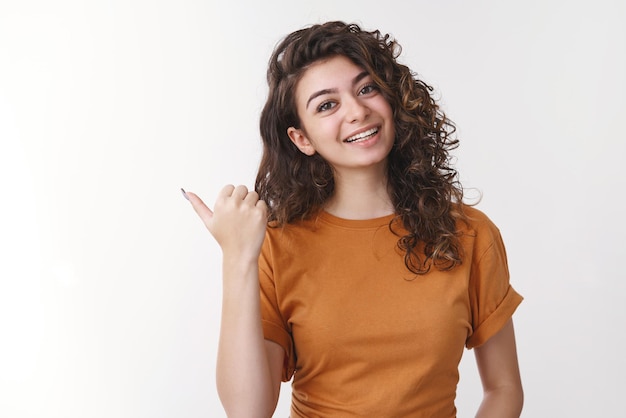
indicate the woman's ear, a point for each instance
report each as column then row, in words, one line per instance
column 298, row 137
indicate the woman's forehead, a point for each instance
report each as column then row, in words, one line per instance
column 329, row 72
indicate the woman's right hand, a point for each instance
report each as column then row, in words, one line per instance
column 237, row 222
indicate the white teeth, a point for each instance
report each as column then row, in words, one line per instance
column 362, row 135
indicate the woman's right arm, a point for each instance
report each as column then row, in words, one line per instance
column 248, row 367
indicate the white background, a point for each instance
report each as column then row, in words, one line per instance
column 109, row 284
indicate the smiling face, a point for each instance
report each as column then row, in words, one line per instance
column 343, row 116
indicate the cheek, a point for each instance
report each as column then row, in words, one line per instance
column 383, row 107
column 320, row 129
column 388, row 109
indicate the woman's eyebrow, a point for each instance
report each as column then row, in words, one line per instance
column 355, row 80
column 319, row 93
column 359, row 77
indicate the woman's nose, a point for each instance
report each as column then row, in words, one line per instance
column 356, row 110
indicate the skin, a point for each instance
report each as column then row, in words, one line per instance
column 335, row 101
column 498, row 367
column 248, row 367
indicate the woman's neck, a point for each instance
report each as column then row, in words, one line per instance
column 360, row 195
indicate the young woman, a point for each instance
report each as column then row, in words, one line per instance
column 371, row 276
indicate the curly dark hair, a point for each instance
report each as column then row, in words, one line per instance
column 422, row 183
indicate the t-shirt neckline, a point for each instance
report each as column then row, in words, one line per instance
column 355, row 223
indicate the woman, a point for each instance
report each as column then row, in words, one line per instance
column 372, row 274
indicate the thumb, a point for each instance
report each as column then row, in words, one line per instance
column 198, row 205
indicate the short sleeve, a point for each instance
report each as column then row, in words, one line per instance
column 275, row 328
column 492, row 298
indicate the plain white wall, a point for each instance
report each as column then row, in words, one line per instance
column 110, row 286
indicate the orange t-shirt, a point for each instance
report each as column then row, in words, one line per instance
column 365, row 337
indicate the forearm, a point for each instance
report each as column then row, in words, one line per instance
column 504, row 402
column 245, row 385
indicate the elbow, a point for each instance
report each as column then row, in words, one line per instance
column 516, row 400
column 505, row 401
column 520, row 400
column 246, row 414
column 244, row 410
column 237, row 404
column 516, row 396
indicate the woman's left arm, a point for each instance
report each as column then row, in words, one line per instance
column 500, row 376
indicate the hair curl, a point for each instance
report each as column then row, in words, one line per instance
column 423, row 185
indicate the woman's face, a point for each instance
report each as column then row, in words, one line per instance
column 343, row 116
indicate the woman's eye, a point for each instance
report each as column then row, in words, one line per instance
column 368, row 89
column 325, row 106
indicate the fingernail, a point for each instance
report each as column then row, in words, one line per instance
column 184, row 193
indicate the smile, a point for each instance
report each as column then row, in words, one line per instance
column 362, row 136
